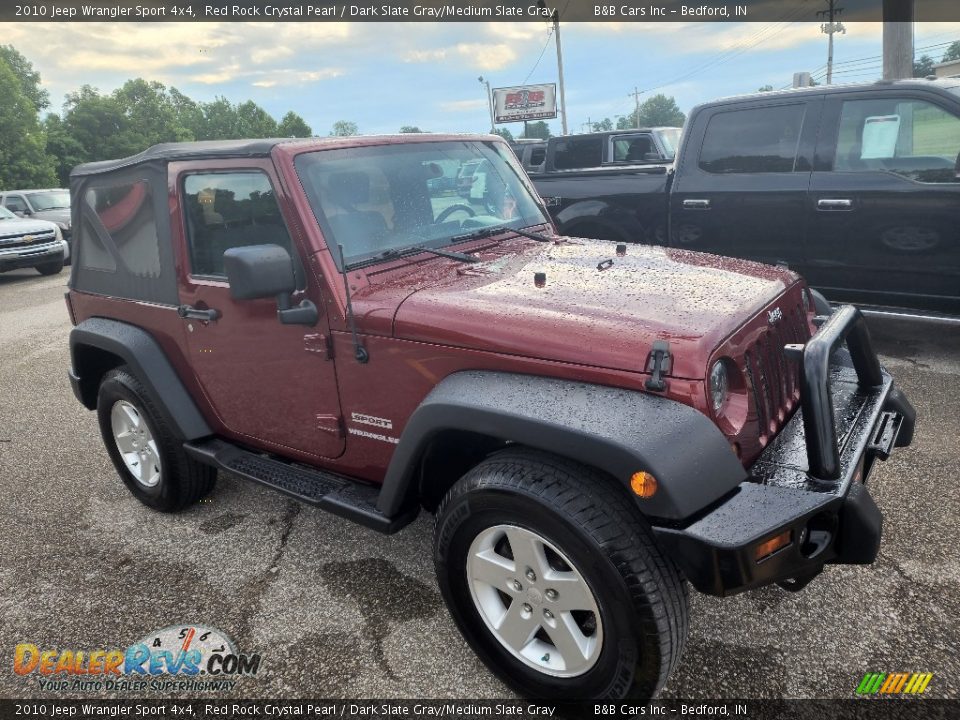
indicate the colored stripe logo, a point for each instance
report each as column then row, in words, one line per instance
column 894, row 683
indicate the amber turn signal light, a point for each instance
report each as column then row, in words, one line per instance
column 643, row 484
column 769, row 546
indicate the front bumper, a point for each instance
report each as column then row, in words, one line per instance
column 31, row 256
column 809, row 482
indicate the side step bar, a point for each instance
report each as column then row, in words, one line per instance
column 333, row 493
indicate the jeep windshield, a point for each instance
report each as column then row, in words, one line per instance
column 378, row 201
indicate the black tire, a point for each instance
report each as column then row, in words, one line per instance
column 50, row 268
column 183, row 481
column 640, row 593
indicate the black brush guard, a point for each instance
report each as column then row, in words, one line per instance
column 809, row 481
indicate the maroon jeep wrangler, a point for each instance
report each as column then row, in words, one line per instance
column 593, row 425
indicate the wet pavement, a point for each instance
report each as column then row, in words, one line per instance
column 336, row 610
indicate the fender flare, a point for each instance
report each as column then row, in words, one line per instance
column 616, row 430
column 143, row 354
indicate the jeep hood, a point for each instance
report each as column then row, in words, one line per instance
column 607, row 318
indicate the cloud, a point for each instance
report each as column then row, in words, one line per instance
column 270, row 53
column 481, row 56
column 296, row 77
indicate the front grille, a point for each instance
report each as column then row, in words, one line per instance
column 774, row 380
column 8, row 242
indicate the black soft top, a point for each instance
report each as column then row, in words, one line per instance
column 165, row 152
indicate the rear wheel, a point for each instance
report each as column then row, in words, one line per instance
column 145, row 450
column 556, row 581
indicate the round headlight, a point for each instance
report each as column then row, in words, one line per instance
column 719, row 384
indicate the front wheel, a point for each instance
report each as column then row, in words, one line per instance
column 50, row 268
column 145, row 450
column 556, row 581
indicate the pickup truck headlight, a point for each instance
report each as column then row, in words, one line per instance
column 719, row 385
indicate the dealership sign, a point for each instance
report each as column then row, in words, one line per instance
column 525, row 102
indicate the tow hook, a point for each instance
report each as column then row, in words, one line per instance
column 796, row 584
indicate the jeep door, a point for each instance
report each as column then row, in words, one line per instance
column 742, row 179
column 270, row 385
column 885, row 199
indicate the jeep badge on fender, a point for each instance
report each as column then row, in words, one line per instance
column 332, row 318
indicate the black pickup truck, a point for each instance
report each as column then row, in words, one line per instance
column 856, row 187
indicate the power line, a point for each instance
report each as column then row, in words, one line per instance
column 542, row 51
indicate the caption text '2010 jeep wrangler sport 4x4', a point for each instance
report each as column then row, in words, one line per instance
column 593, row 426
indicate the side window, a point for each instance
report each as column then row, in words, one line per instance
column 574, row 153
column 632, row 148
column 538, row 155
column 14, row 203
column 230, row 209
column 756, row 140
column 126, row 213
column 912, row 138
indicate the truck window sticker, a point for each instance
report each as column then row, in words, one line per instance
column 880, row 134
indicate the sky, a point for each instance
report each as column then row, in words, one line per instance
column 385, row 75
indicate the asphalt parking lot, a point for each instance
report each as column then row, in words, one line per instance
column 336, row 610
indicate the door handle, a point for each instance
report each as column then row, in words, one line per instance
column 834, row 204
column 188, row 311
column 696, row 204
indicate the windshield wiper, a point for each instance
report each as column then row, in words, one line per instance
column 498, row 229
column 397, row 252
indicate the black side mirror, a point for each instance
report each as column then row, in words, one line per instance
column 262, row 271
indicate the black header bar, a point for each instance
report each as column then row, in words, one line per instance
column 470, row 11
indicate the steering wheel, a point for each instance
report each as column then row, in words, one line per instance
column 447, row 212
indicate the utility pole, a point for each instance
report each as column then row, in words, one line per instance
column 555, row 17
column 588, row 125
column 829, row 28
column 489, row 103
column 636, row 113
column 898, row 18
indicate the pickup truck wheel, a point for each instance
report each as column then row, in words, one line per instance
column 556, row 581
column 145, row 451
column 50, row 268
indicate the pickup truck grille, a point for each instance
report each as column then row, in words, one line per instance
column 774, row 380
column 18, row 241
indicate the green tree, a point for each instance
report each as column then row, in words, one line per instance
column 660, row 110
column 504, row 133
column 602, row 125
column 150, row 114
column 538, row 129
column 28, row 78
column 97, row 124
column 188, row 113
column 765, row 88
column 65, row 150
column 344, row 128
column 292, row 125
column 255, row 122
column 410, row 129
column 923, row 66
column 23, row 158
column 953, row 52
